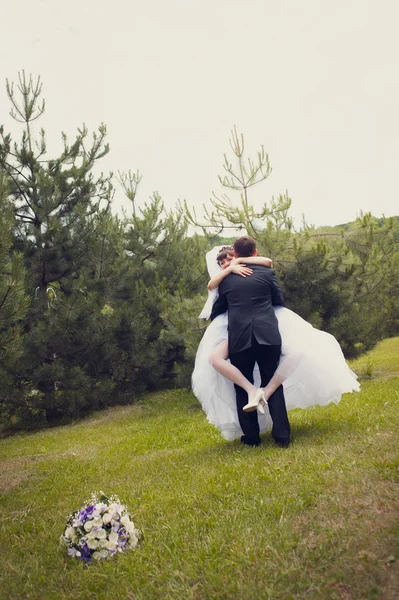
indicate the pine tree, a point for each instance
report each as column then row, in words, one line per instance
column 166, row 273
column 13, row 301
column 13, row 304
column 57, row 203
column 55, row 199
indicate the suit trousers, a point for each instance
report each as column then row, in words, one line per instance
column 267, row 357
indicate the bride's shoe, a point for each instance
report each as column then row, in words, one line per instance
column 255, row 402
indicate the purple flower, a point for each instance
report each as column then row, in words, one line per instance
column 85, row 552
column 123, row 535
column 90, row 508
column 86, row 512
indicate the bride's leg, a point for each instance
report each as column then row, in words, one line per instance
column 273, row 384
column 218, row 360
column 288, row 363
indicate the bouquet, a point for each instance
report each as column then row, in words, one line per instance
column 100, row 529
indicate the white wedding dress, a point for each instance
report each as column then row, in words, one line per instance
column 319, row 374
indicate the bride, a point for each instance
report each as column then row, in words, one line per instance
column 312, row 367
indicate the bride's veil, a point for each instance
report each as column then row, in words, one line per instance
column 213, row 269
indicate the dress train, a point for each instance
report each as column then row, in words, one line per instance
column 318, row 375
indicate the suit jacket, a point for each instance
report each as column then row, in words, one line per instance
column 250, row 302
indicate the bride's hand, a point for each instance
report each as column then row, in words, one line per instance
column 240, row 269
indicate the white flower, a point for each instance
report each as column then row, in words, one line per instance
column 88, row 526
column 125, row 520
column 112, row 508
column 113, row 537
column 133, row 541
column 101, row 507
column 69, row 533
column 111, row 545
column 107, row 518
column 101, row 534
column 115, row 525
column 116, row 509
column 130, row 527
column 100, row 554
column 98, row 522
column 91, row 535
column 92, row 544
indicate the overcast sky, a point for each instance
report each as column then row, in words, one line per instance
column 315, row 81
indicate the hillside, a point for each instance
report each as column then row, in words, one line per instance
column 317, row 520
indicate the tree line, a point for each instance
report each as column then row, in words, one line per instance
column 96, row 308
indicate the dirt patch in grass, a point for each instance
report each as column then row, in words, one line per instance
column 15, row 471
column 109, row 415
column 383, row 374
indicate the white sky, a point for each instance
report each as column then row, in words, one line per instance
column 315, row 81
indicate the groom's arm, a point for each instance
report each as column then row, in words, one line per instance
column 277, row 294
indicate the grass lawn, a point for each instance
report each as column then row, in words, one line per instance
column 318, row 520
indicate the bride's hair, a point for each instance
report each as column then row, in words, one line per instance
column 224, row 253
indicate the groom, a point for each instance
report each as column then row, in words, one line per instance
column 254, row 337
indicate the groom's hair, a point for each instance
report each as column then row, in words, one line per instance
column 244, row 246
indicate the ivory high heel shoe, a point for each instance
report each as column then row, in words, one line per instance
column 254, row 403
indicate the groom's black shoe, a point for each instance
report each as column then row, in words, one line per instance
column 248, row 442
column 282, row 443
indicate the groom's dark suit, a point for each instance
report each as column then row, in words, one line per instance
column 254, row 337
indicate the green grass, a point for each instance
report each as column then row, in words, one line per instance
column 382, row 361
column 220, row 521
